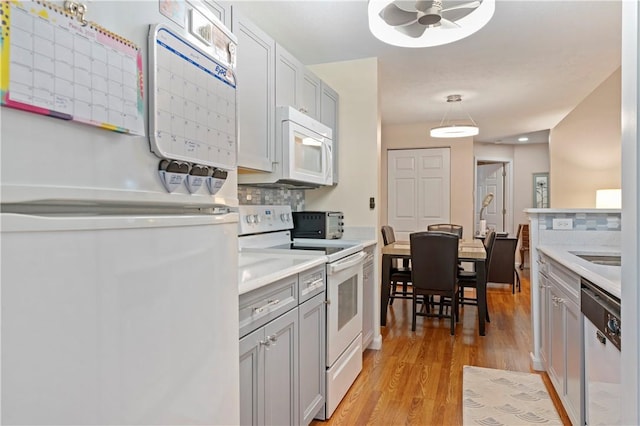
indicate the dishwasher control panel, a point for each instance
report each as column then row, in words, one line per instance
column 603, row 310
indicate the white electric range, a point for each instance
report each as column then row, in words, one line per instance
column 266, row 229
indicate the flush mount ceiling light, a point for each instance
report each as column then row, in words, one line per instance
column 447, row 129
column 427, row 23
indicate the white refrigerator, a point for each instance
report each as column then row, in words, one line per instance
column 118, row 299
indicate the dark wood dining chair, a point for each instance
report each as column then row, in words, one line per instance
column 400, row 275
column 434, row 269
column 523, row 237
column 446, row 227
column 469, row 279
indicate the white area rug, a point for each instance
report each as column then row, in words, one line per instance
column 499, row 397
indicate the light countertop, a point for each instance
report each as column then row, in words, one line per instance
column 258, row 269
column 605, row 277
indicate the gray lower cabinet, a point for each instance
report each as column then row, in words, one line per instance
column 368, row 296
column 312, row 320
column 543, row 290
column 562, row 334
column 269, row 373
column 282, row 350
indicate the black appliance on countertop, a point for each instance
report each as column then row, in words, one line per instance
column 318, row 225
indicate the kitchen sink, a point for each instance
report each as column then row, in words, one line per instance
column 600, row 259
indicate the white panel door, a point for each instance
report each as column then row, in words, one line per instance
column 491, row 179
column 419, row 186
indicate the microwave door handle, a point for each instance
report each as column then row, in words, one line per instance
column 329, row 163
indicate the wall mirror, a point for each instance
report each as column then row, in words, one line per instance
column 541, row 190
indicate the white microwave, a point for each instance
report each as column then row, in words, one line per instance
column 303, row 154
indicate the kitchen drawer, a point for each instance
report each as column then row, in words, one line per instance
column 570, row 280
column 311, row 282
column 260, row 306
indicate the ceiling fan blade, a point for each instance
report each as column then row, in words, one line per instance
column 448, row 25
column 423, row 5
column 470, row 5
column 395, row 16
column 414, row 30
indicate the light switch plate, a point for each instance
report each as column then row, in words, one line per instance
column 562, row 223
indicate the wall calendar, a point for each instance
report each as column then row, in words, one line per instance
column 60, row 66
column 192, row 102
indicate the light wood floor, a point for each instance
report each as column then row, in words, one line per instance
column 417, row 376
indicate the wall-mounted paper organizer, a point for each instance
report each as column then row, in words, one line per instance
column 56, row 65
column 192, row 102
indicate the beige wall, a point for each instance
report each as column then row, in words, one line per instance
column 413, row 136
column 359, row 146
column 526, row 159
column 585, row 148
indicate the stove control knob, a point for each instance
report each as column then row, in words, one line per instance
column 258, row 218
column 248, row 218
column 283, row 217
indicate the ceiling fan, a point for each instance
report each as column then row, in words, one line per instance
column 414, row 20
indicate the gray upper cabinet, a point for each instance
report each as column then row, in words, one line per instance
column 221, row 10
column 311, row 92
column 288, row 79
column 329, row 102
column 256, row 95
column 296, row 86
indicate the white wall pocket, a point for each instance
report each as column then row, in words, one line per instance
column 196, row 177
column 215, row 182
column 172, row 173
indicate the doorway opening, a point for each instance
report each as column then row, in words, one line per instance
column 494, row 176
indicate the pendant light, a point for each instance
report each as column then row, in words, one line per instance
column 448, row 129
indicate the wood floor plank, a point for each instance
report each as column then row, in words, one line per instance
column 416, row 378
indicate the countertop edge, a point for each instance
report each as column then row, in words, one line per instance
column 280, row 274
column 605, row 277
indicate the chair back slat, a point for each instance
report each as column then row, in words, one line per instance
column 489, row 243
column 388, row 236
column 446, row 227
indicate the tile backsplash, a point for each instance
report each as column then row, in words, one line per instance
column 251, row 195
column 584, row 221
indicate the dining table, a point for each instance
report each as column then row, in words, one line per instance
column 468, row 251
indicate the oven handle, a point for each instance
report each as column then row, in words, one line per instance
column 347, row 263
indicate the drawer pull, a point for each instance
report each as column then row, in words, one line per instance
column 268, row 305
column 315, row 284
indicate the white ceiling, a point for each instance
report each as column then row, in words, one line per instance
column 521, row 73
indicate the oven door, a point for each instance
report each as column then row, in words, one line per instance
column 308, row 155
column 344, row 310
